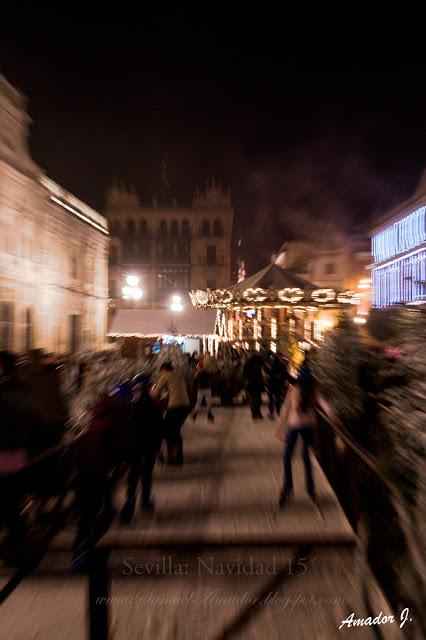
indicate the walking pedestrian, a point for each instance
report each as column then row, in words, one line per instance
column 277, row 379
column 177, row 410
column 147, row 432
column 298, row 418
column 253, row 376
column 203, row 383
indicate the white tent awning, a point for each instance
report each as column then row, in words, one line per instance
column 157, row 322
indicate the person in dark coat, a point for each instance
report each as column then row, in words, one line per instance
column 203, row 384
column 144, row 445
column 253, row 376
column 277, row 379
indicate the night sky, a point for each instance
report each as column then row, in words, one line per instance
column 309, row 116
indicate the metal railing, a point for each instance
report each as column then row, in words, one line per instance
column 340, row 455
column 31, row 479
column 375, row 508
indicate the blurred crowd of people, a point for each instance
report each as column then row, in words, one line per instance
column 135, row 406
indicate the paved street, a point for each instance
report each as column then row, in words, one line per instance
column 229, row 544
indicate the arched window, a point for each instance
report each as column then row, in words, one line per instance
column 185, row 227
column 130, row 227
column 217, row 227
column 205, row 227
column 162, row 227
column 174, row 227
column 142, row 227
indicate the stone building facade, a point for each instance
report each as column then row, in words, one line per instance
column 172, row 249
column 53, row 250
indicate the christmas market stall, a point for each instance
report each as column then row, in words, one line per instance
column 274, row 309
column 190, row 329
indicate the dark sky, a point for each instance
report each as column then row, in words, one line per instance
column 308, row 115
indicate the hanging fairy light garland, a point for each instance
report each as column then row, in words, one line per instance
column 235, row 299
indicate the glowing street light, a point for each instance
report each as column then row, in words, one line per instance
column 137, row 293
column 132, row 281
column 132, row 291
column 176, row 304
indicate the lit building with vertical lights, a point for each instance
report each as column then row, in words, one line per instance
column 398, row 246
column 53, row 250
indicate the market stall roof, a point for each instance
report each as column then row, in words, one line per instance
column 274, row 277
column 157, row 322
